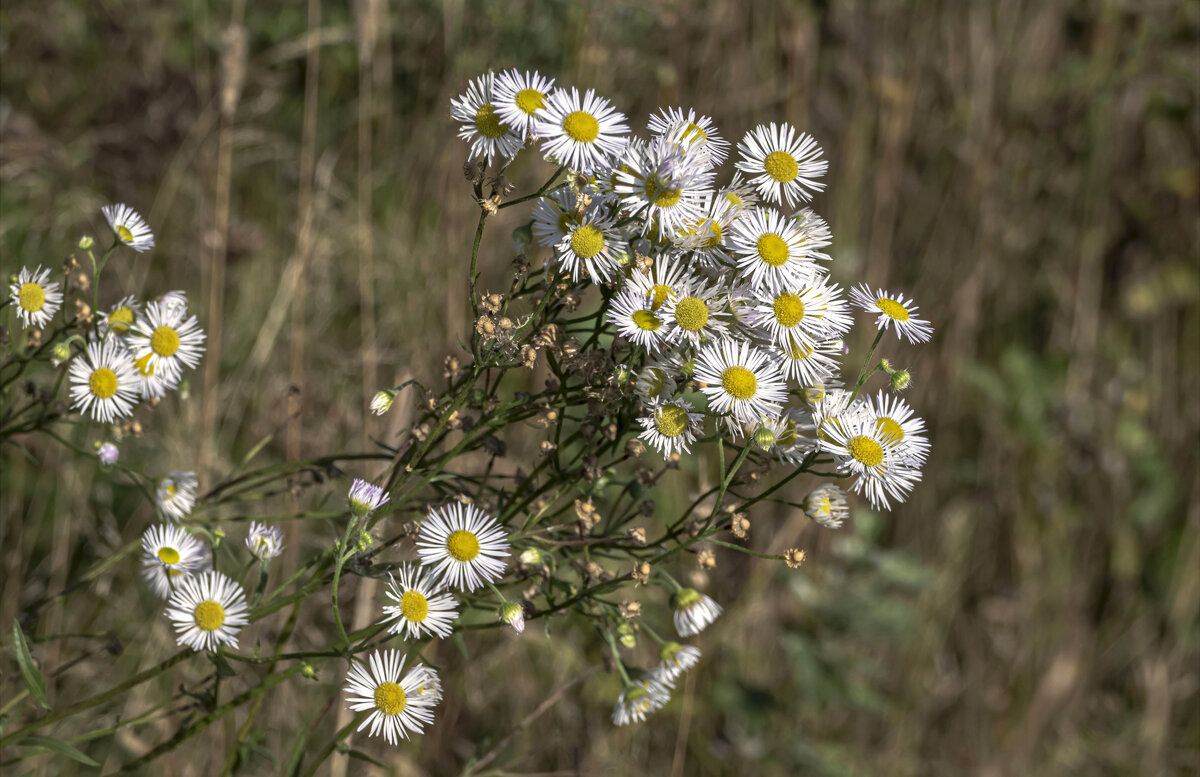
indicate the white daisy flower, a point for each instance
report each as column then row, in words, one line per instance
column 464, row 545
column 584, row 134
column 782, row 163
column 164, row 342
column 554, row 216
column 35, row 298
column 170, row 553
column 654, row 382
column 706, row 237
column 696, row 314
column 789, row 435
column 661, row 185
column 893, row 309
column 675, row 659
column 398, row 705
column 665, row 279
column 419, row 605
column 694, row 611
column 518, row 97
column 645, row 695
column 265, row 542
column 172, row 300
column 103, row 382
column 588, row 245
column 692, row 130
column 864, row 450
column 740, row 194
column 177, row 495
column 808, row 364
column 801, row 315
column 108, row 454
column 365, row 498
column 671, row 427
column 208, row 610
column 827, row 506
column 119, row 319
column 633, row 314
column 816, row 233
column 904, row 431
column 129, row 227
column 481, row 123
column 739, row 378
column 770, row 250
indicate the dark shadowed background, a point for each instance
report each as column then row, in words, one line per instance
column 1027, row 170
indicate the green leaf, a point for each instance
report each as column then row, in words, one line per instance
column 58, row 746
column 33, row 678
column 223, row 667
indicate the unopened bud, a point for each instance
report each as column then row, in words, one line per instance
column 531, row 556
column 626, row 636
column 764, row 437
column 86, row 242
column 901, row 380
column 62, row 352
column 382, row 401
column 513, row 614
column 365, row 540
column 307, row 670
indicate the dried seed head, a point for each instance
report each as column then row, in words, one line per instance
column 793, row 557
column 630, row 610
column 634, row 448
column 528, row 356
column 548, row 447
column 739, row 524
column 485, row 327
column 706, row 559
column 638, row 534
column 492, row 302
column 641, row 572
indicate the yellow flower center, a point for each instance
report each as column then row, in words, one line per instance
column 646, row 321
column 656, row 383
column 209, row 615
column 798, row 350
column 463, row 545
column 487, row 121
column 661, row 293
column 789, row 309
column 164, row 341
column 694, row 132
column 739, row 382
column 144, row 366
column 31, row 297
column 866, row 451
column 715, row 235
column 168, row 555
column 781, row 166
column 691, row 313
column 414, row 606
column 734, row 199
column 529, row 100
column 103, row 383
column 581, row 127
column 120, row 320
column 892, row 309
column 890, row 430
column 773, row 250
column 671, row 421
column 123, row 233
column 587, row 241
column 390, row 699
column 661, row 196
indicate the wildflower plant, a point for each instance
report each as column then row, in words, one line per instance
column 678, row 313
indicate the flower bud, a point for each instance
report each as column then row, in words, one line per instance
column 62, row 352
column 308, row 671
column 513, row 614
column 108, row 453
column 626, row 636
column 86, row 242
column 764, row 438
column 382, row 401
column 901, row 379
column 531, row 557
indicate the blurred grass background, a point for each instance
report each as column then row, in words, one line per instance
column 1028, row 171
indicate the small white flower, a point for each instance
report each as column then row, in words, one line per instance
column 696, row 314
column 119, row 319
column 903, row 430
column 893, row 309
column 177, row 495
column 801, row 315
column 164, row 342
column 265, row 542
column 170, row 553
column 782, row 163
column 108, row 454
column 465, row 546
column 675, row 659
column 518, row 97
column 739, row 378
column 35, row 298
column 808, row 364
column 399, row 705
column 645, row 695
column 671, row 427
column 694, row 611
column 864, row 450
column 588, row 245
column 129, row 227
column 584, row 134
column 208, row 610
column 668, row 276
column 661, row 185
column 366, row 498
column 633, row 313
column 827, row 506
column 694, row 131
column 420, row 608
column 104, row 382
column 481, row 123
column 770, row 250
column 382, row 401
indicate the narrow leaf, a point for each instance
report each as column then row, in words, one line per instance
column 33, row 678
column 58, row 746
